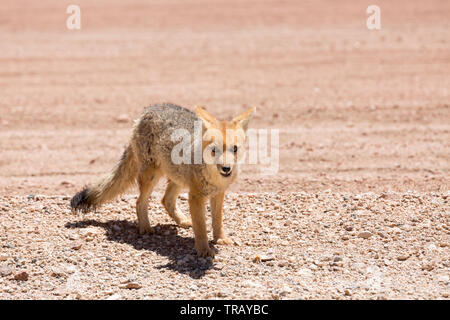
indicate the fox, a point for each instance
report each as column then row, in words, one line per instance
column 149, row 156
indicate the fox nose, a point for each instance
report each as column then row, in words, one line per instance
column 226, row 169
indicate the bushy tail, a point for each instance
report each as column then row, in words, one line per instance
column 121, row 178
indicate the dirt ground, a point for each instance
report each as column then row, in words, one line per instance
column 359, row 208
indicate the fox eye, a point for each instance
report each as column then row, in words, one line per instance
column 235, row 149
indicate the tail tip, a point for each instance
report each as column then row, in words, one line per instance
column 80, row 201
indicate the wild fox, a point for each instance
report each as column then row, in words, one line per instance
column 149, row 157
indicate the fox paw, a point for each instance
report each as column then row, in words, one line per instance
column 185, row 223
column 224, row 240
column 146, row 229
column 205, row 252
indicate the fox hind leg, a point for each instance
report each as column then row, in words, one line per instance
column 170, row 203
column 147, row 179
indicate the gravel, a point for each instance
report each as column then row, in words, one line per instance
column 53, row 254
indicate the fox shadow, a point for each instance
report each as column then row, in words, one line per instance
column 165, row 241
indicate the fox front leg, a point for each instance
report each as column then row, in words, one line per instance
column 197, row 209
column 217, row 217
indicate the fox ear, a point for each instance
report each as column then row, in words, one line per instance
column 243, row 119
column 207, row 118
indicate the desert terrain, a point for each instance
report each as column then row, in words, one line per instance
column 359, row 207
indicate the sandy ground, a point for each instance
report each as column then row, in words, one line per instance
column 358, row 209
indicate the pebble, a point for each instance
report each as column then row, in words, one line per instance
column 132, row 285
column 364, row 235
column 282, row 263
column 237, row 242
column 312, row 266
column 77, row 246
column 251, row 284
column 3, row 258
column 57, row 272
column 73, row 236
column 263, row 258
column 21, row 276
column 5, row 271
column 445, row 279
column 123, row 118
column 403, row 257
column 90, row 231
column 428, row 266
column 285, row 290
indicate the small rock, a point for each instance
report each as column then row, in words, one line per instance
column 77, row 246
column 123, row 118
column 3, row 258
column 132, row 285
column 364, row 235
column 428, row 266
column 263, row 258
column 305, row 272
column 403, row 257
column 327, row 257
column 114, row 297
column 180, row 262
column 73, row 237
column 282, row 263
column 347, row 292
column 89, row 232
column 5, row 271
column 445, row 279
column 285, row 291
column 57, row 273
column 251, row 284
column 218, row 266
column 21, row 276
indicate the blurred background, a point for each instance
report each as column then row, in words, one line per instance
column 357, row 109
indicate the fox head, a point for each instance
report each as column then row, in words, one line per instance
column 223, row 142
